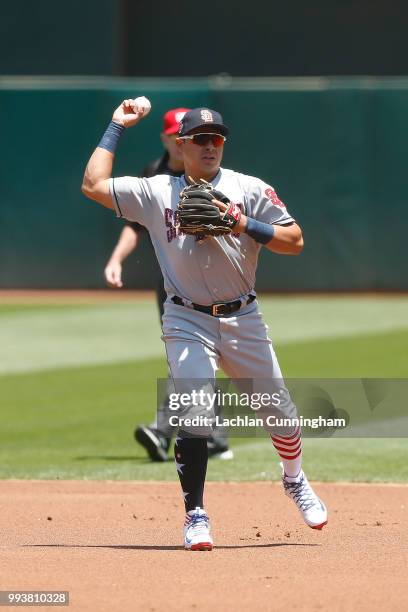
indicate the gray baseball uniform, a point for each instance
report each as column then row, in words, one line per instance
column 209, row 270
column 205, row 271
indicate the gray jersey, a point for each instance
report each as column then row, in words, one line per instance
column 198, row 269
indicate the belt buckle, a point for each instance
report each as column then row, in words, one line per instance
column 215, row 307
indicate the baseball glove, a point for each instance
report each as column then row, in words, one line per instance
column 198, row 214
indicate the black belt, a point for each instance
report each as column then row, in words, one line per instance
column 216, row 310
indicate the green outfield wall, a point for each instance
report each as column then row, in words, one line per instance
column 335, row 150
column 183, row 38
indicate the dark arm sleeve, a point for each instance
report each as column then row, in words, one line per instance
column 152, row 169
column 136, row 226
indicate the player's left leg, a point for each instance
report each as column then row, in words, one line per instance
column 247, row 353
column 193, row 368
column 190, row 339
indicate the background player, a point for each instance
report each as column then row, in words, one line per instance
column 211, row 315
column 156, row 437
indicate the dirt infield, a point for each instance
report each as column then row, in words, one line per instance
column 115, row 546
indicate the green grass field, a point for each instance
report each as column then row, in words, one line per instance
column 76, row 378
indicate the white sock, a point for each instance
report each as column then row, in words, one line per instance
column 290, row 451
column 292, row 469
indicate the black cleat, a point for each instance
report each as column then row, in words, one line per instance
column 218, row 449
column 153, row 442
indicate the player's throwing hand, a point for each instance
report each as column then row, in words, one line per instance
column 127, row 114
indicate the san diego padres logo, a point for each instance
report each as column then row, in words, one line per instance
column 206, row 115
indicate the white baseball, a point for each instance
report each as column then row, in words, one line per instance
column 142, row 103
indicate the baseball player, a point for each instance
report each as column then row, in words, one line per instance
column 208, row 250
column 156, row 437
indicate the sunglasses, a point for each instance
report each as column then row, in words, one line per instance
column 203, row 139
